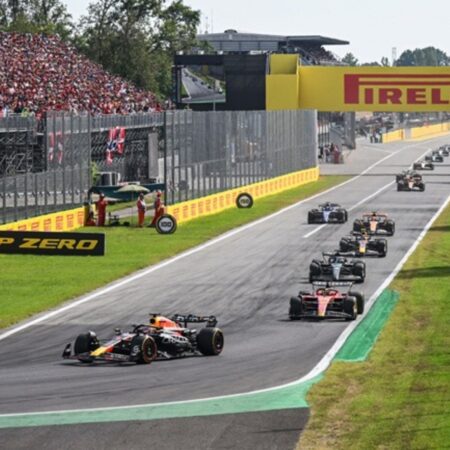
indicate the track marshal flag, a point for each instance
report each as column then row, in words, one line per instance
column 375, row 88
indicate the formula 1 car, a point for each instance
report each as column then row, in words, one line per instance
column 375, row 223
column 406, row 173
column 444, row 150
column 325, row 301
column 328, row 213
column 161, row 338
column 337, row 268
column 410, row 182
column 434, row 157
column 423, row 165
column 361, row 244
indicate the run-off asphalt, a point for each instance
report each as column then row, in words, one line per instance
column 245, row 280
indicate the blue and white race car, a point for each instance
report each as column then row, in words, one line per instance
column 328, row 213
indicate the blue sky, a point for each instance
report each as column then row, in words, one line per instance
column 372, row 27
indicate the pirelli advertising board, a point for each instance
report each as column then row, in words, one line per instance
column 43, row 243
column 375, row 88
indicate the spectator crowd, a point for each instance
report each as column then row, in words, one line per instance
column 39, row 73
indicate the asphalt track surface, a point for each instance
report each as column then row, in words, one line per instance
column 245, row 280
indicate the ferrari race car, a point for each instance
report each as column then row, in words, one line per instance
column 434, row 157
column 328, row 213
column 375, row 223
column 361, row 244
column 337, row 268
column 161, row 338
column 423, row 165
column 325, row 301
column 410, row 182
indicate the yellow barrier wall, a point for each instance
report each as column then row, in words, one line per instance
column 61, row 221
column 216, row 203
column 430, row 130
column 394, row 136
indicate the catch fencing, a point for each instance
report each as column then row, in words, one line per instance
column 48, row 165
column 43, row 169
column 212, row 152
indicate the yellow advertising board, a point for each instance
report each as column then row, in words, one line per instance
column 375, row 88
column 381, row 89
column 60, row 221
column 213, row 204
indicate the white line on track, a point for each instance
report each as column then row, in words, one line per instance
column 183, row 255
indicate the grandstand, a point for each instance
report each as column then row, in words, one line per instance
column 310, row 48
column 41, row 73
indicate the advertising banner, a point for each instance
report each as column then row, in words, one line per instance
column 43, row 243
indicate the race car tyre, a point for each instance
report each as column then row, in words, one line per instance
column 314, row 269
column 295, row 308
column 145, row 349
column 346, row 215
column 341, row 216
column 360, row 300
column 421, row 187
column 417, row 166
column 359, row 270
column 382, row 247
column 343, row 245
column 390, row 227
column 431, row 166
column 210, row 341
column 357, row 225
column 399, row 187
column 310, row 217
column 351, row 308
column 166, row 224
column 85, row 343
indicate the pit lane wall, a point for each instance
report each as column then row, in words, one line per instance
column 428, row 131
column 60, row 221
column 213, row 204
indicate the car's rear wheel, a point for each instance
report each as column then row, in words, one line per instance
column 145, row 349
column 85, row 343
column 350, row 308
column 210, row 341
column 390, row 227
column 357, row 225
column 295, row 308
column 359, row 270
column 360, row 300
column 382, row 247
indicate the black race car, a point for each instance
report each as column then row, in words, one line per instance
column 161, row 338
column 410, row 182
column 326, row 301
column 375, row 223
column 361, row 244
column 423, row 165
column 337, row 268
column 328, row 213
column 434, row 157
column 444, row 150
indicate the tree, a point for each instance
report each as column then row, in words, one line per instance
column 429, row 56
column 137, row 39
column 385, row 61
column 350, row 59
column 35, row 16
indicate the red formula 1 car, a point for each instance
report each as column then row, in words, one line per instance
column 327, row 301
column 161, row 338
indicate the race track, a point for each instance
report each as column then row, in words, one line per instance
column 245, row 280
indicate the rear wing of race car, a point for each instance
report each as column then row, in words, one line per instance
column 210, row 321
column 332, row 284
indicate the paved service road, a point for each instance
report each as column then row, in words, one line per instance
column 246, row 280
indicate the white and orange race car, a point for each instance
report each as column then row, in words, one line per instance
column 375, row 223
column 161, row 338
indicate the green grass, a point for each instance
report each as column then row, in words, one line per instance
column 400, row 397
column 31, row 284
